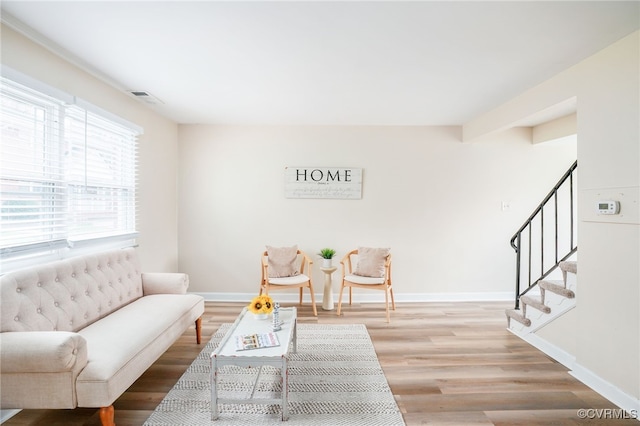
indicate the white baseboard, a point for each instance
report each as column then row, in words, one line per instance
column 371, row 297
column 560, row 355
column 7, row 414
column 607, row 390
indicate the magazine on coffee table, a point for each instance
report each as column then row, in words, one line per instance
column 246, row 342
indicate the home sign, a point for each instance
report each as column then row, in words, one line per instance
column 323, row 182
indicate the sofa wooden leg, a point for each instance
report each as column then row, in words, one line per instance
column 198, row 330
column 107, row 416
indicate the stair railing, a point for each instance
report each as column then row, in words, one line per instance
column 548, row 236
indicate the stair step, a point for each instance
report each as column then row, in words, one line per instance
column 530, row 301
column 557, row 289
column 569, row 266
column 512, row 313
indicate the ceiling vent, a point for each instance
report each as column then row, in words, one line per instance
column 146, row 97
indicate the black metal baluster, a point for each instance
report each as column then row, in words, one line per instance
column 529, row 268
column 518, row 252
column 571, row 202
column 542, row 241
column 555, row 199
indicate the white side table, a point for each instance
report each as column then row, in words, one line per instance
column 327, row 298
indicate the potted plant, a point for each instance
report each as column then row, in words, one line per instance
column 327, row 254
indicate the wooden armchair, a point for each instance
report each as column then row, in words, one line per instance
column 372, row 273
column 293, row 273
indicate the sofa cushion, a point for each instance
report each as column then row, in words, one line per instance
column 124, row 344
column 70, row 294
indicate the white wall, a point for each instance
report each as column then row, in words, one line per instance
column 434, row 200
column 605, row 339
column 157, row 189
column 609, row 157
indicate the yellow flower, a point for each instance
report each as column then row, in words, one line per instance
column 261, row 305
column 267, row 304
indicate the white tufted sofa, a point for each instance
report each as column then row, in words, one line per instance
column 79, row 332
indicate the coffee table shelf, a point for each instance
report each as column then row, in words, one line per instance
column 226, row 354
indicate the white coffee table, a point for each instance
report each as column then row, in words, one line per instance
column 226, row 354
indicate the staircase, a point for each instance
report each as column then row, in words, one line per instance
column 551, row 299
column 546, row 246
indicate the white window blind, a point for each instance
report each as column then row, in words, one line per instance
column 68, row 174
column 101, row 176
column 32, row 169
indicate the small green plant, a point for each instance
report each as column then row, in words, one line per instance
column 327, row 253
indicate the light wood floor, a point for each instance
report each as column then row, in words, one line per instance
column 446, row 363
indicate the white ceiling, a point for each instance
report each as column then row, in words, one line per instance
column 327, row 63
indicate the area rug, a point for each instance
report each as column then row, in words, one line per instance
column 334, row 379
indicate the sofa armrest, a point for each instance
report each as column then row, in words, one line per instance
column 42, row 352
column 164, row 283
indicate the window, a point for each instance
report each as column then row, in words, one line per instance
column 67, row 170
column 101, row 176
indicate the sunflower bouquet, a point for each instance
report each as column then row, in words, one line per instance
column 262, row 304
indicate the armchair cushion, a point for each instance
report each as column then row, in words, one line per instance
column 294, row 280
column 359, row 279
column 282, row 261
column 371, row 262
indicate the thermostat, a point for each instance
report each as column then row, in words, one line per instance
column 608, row 207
